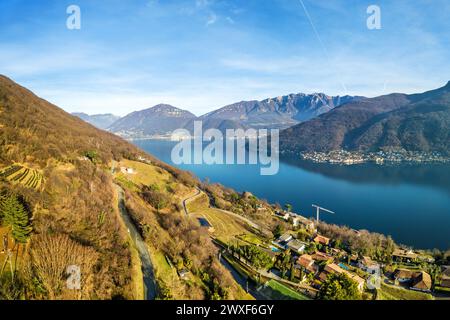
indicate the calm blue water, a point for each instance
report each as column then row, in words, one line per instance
column 409, row 202
column 343, row 266
column 204, row 222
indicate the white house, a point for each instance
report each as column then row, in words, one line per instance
column 296, row 246
column 368, row 265
column 127, row 170
column 285, row 238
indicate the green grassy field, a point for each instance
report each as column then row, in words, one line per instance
column 163, row 268
column 252, row 239
column 226, row 227
column 442, row 289
column 279, row 291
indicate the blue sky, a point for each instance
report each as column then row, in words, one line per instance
column 203, row 54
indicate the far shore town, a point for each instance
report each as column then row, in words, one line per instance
column 380, row 157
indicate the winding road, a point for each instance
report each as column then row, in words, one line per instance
column 200, row 192
column 187, row 200
column 150, row 287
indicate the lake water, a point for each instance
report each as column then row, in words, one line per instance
column 409, row 202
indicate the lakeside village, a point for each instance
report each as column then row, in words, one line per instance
column 301, row 263
column 380, row 157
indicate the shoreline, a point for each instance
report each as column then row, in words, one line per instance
column 343, row 157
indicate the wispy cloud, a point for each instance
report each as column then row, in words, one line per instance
column 230, row 20
column 203, row 54
column 211, row 19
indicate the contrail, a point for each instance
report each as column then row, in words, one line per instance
column 319, row 39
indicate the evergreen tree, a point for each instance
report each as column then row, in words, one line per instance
column 339, row 287
column 14, row 214
column 292, row 274
column 278, row 231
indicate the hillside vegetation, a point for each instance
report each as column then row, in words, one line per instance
column 59, row 208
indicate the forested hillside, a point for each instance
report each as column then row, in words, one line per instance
column 418, row 122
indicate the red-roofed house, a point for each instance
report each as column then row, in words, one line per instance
column 322, row 240
column 307, row 263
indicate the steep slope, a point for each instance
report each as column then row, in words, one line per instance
column 101, row 121
column 73, row 194
column 281, row 112
column 420, row 126
column 74, row 210
column 418, row 122
column 34, row 130
column 158, row 120
column 327, row 132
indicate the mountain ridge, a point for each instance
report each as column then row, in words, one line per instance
column 272, row 113
column 101, row 121
column 161, row 119
column 415, row 122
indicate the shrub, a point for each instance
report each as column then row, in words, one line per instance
column 157, row 199
column 339, row 287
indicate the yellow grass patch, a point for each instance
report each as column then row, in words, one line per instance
column 18, row 250
column 134, row 174
column 141, row 173
column 226, row 227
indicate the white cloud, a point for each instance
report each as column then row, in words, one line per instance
column 202, row 3
column 230, row 20
column 211, row 19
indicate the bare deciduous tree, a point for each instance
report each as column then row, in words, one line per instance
column 50, row 257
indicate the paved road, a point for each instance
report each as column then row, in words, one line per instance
column 150, row 287
column 306, row 289
column 243, row 282
column 248, row 221
column 191, row 198
column 200, row 192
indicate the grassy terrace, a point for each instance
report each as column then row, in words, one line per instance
column 143, row 173
column 279, row 291
column 226, row 227
column 170, row 284
column 146, row 174
column 17, row 173
column 395, row 293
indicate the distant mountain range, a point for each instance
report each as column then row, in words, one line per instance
column 101, row 121
column 280, row 113
column 159, row 120
column 315, row 122
column 417, row 122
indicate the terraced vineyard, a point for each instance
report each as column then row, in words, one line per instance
column 15, row 173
